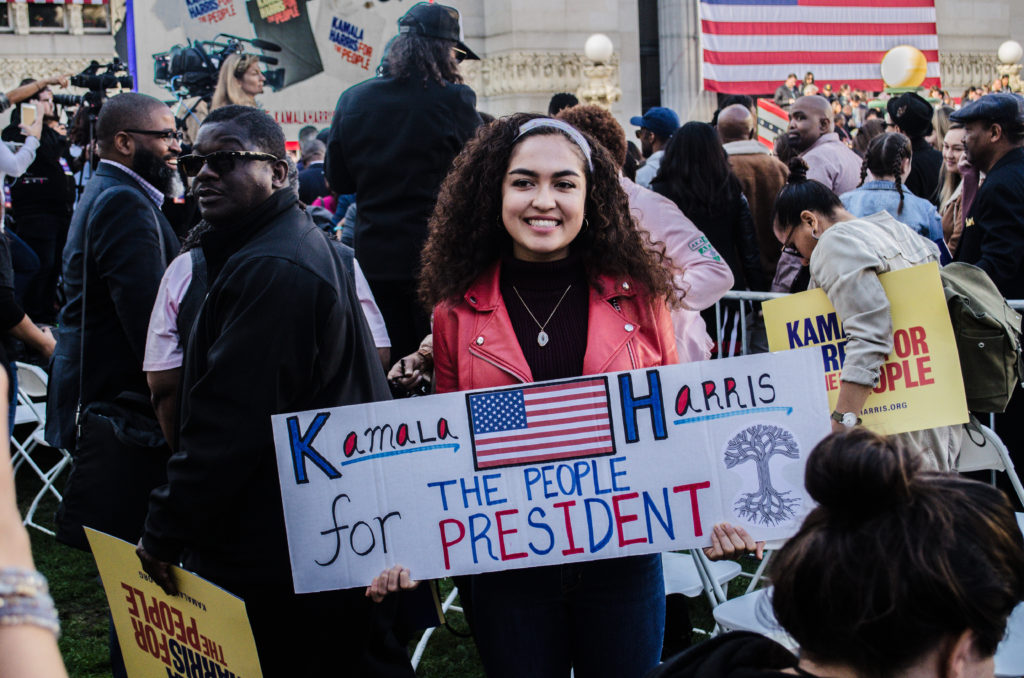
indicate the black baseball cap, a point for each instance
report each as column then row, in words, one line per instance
column 912, row 113
column 999, row 107
column 435, row 21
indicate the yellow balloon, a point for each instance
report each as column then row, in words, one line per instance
column 904, row 66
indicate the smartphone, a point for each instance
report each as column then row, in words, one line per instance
column 28, row 114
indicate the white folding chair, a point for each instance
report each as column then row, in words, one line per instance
column 692, row 573
column 758, row 574
column 982, row 450
column 421, row 646
column 1010, row 653
column 31, row 409
column 752, row 612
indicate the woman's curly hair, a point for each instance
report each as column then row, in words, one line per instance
column 466, row 234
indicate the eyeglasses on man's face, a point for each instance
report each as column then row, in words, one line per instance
column 164, row 134
column 220, row 162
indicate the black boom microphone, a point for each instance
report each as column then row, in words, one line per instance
column 268, row 60
column 255, row 42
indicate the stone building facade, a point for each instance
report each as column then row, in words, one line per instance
column 533, row 48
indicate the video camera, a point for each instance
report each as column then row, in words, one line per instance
column 114, row 74
column 192, row 69
column 97, row 82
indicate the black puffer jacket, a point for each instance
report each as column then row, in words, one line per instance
column 280, row 331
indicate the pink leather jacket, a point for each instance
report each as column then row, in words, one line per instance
column 476, row 347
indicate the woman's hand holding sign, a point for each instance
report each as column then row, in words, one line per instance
column 730, row 541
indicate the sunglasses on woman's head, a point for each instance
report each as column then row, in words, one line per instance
column 220, row 162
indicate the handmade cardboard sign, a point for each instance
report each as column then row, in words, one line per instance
column 202, row 631
column 920, row 385
column 552, row 472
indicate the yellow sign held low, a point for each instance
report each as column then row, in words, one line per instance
column 920, row 385
column 202, row 631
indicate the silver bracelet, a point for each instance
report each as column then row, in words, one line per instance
column 25, row 599
column 5, row 103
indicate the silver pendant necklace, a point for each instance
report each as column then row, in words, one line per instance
column 542, row 336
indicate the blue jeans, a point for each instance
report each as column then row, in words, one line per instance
column 600, row 618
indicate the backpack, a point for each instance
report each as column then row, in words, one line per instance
column 988, row 336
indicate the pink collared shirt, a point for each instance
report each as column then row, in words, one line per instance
column 832, row 163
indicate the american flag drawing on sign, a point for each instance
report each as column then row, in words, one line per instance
column 750, row 46
column 535, row 424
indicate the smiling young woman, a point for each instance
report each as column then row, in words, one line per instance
column 536, row 271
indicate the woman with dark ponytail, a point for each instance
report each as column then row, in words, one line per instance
column 886, row 166
column 897, row 572
column 846, row 255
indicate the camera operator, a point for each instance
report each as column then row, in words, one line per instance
column 41, row 199
column 29, row 88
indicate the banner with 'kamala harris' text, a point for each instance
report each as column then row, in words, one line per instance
column 920, row 385
column 552, row 472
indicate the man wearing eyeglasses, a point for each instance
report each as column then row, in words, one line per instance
column 118, row 245
column 393, row 139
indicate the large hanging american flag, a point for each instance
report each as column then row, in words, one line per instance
column 749, row 46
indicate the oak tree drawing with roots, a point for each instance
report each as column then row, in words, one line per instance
column 759, row 444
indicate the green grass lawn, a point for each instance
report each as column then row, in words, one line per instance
column 77, row 591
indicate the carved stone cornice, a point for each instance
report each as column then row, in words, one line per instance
column 961, row 70
column 530, row 73
column 14, row 69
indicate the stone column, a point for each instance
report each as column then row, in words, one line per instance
column 680, row 59
column 18, row 17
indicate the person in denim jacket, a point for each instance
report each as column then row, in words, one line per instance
column 882, row 176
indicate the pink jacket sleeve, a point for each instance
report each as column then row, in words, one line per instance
column 704, row 276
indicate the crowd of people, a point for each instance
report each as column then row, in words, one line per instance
column 421, row 246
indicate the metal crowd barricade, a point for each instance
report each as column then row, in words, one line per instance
column 744, row 298
column 749, row 301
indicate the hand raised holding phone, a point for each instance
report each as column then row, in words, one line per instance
column 31, row 121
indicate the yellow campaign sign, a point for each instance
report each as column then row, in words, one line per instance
column 920, row 385
column 202, row 631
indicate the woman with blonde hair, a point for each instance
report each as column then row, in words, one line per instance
column 239, row 82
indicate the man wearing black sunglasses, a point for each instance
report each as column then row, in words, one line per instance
column 118, row 246
column 392, row 141
column 279, row 330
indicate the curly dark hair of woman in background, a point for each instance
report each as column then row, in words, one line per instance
column 884, row 158
column 596, row 122
column 467, row 236
column 896, row 563
column 415, row 57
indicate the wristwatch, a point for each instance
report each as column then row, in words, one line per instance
column 847, row 419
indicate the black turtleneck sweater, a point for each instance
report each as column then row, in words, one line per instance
column 541, row 285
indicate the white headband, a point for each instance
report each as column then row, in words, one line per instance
column 562, row 126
